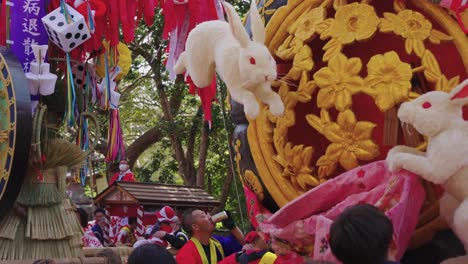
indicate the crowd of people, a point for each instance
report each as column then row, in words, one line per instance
column 362, row 234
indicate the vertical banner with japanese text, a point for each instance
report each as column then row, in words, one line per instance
column 27, row 28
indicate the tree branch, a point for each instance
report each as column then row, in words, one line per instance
column 135, row 83
column 183, row 167
column 142, row 143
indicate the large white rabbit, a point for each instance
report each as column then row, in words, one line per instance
column 246, row 66
column 439, row 116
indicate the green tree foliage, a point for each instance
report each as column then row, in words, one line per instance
column 164, row 128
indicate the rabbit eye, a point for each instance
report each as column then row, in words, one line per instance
column 426, row 105
column 252, row 61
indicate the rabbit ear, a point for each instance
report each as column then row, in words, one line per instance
column 459, row 94
column 236, row 25
column 256, row 24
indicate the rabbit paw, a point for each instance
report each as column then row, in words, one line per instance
column 252, row 110
column 395, row 162
column 277, row 108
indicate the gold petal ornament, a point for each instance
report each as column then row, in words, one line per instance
column 354, row 22
column 389, row 80
column 338, row 82
column 414, row 27
column 296, row 166
column 305, row 27
column 351, row 141
column 124, row 60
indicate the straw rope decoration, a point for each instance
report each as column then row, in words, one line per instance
column 50, row 228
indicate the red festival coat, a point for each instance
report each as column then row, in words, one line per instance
column 189, row 254
column 128, row 177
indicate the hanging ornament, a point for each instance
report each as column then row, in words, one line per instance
column 39, row 77
column 66, row 27
column 116, row 145
column 121, row 57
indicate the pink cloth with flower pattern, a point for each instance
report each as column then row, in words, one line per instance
column 310, row 216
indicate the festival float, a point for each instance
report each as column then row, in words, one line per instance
column 317, row 102
column 344, row 69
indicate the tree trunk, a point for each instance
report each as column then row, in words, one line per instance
column 226, row 188
column 203, row 153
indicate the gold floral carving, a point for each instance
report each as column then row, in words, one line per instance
column 295, row 161
column 305, row 27
column 350, row 141
column 288, row 168
column 254, row 184
column 388, row 80
column 414, row 28
column 353, row 22
column 338, row 82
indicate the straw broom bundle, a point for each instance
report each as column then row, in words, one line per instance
column 50, row 229
column 9, row 225
column 63, row 153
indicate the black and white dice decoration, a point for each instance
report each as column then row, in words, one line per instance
column 66, row 34
column 79, row 74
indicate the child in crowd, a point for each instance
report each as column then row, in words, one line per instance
column 362, row 234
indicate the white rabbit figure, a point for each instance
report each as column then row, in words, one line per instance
column 246, row 66
column 438, row 115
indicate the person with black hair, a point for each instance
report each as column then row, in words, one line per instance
column 203, row 247
column 126, row 236
column 100, row 222
column 362, row 234
column 150, row 254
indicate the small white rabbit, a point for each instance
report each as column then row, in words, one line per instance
column 439, row 116
column 246, row 66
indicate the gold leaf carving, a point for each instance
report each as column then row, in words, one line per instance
column 323, row 28
column 302, row 62
column 437, row 36
column 289, row 48
column 432, row 70
column 332, row 48
column 445, row 85
column 306, row 88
